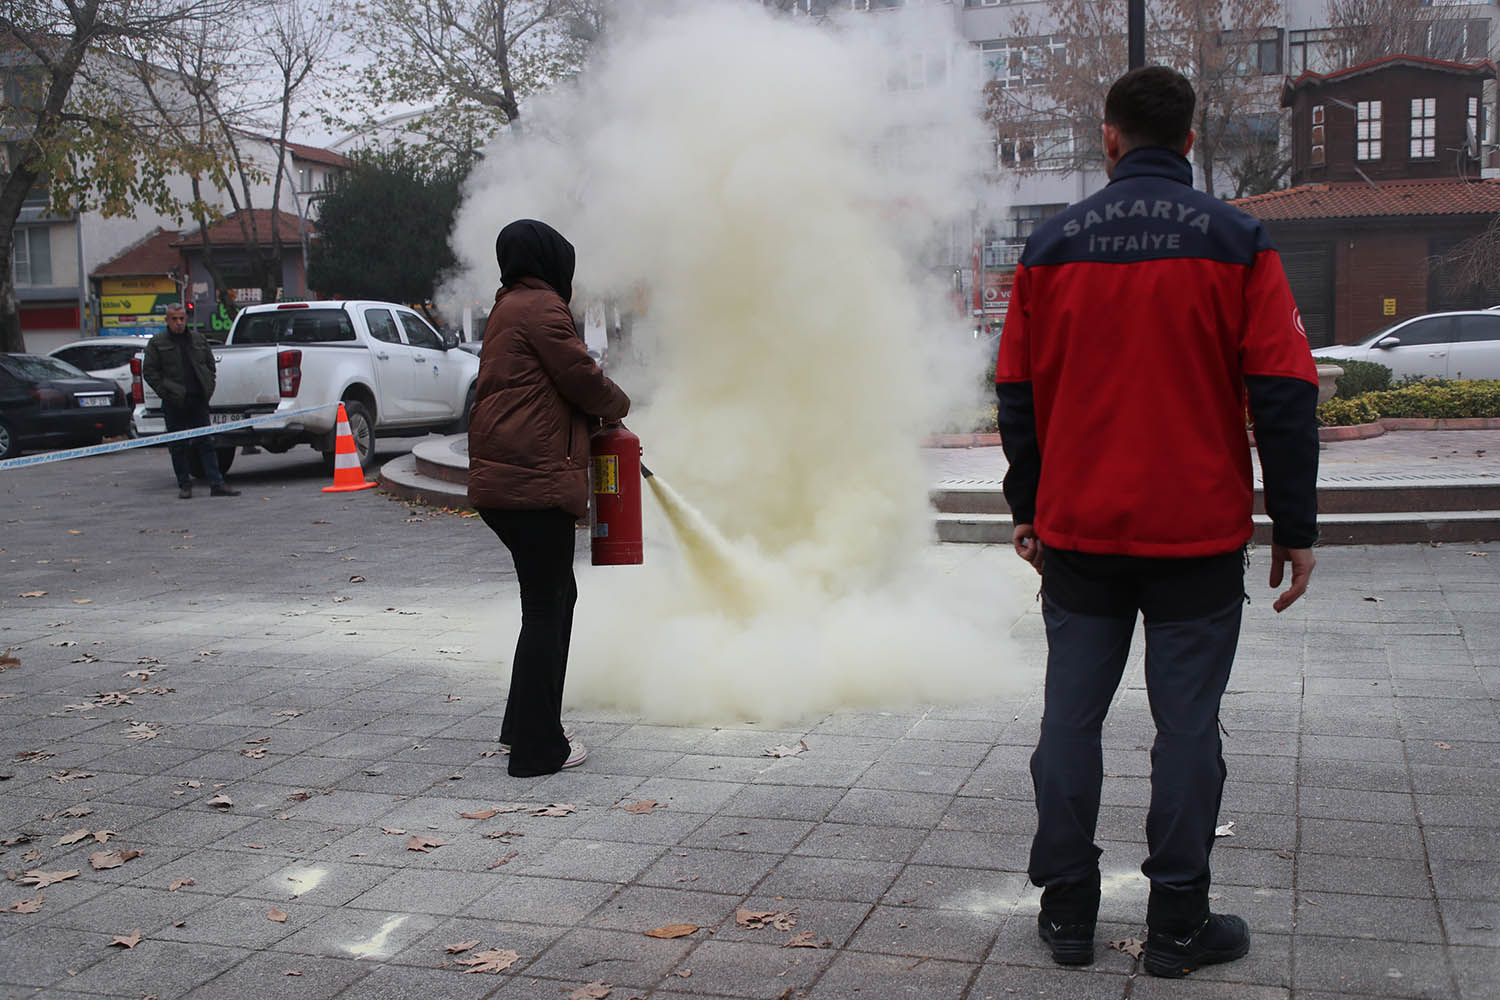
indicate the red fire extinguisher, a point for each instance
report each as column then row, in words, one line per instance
column 616, row 460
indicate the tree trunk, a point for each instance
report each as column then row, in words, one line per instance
column 11, row 197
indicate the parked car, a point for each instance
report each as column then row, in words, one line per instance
column 103, row 357
column 1457, row 345
column 393, row 372
column 46, row 402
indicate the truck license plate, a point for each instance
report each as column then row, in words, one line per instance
column 224, row 418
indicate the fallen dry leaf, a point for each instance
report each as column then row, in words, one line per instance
column 32, row 905
column 125, row 940
column 481, row 814
column 68, row 774
column 555, row 809
column 502, row 861
column 356, row 579
column 33, row 756
column 139, row 731
column 1226, row 830
column 111, row 859
column 276, row 915
column 1443, row 746
column 32, row 856
column 221, row 801
column 462, row 946
column 671, row 931
column 288, row 713
column 179, row 883
column 292, row 972
column 102, row 836
column 43, row 879
column 490, row 961
column 254, row 753
column 597, row 990
column 807, row 939
column 77, row 812
column 782, row 750
column 421, row 843
column 392, row 831
column 263, row 739
column 71, row 838
column 7, row 660
column 83, row 600
column 32, row 593
column 782, row 920
column 1131, row 946
column 640, row 808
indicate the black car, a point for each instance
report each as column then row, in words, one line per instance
column 46, row 402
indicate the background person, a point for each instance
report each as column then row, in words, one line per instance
column 1141, row 320
column 528, row 473
column 179, row 367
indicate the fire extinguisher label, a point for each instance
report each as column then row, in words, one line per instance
column 601, row 531
column 606, row 473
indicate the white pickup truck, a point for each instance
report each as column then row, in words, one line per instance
column 393, row 372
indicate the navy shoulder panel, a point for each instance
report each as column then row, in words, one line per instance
column 1146, row 217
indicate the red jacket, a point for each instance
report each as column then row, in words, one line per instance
column 1138, row 318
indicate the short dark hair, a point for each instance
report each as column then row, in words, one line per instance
column 1151, row 106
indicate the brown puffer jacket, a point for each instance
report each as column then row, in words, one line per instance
column 528, row 431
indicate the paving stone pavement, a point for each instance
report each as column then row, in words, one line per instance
column 321, row 662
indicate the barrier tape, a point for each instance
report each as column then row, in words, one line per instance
column 142, row 442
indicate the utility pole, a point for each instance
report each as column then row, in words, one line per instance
column 1136, row 32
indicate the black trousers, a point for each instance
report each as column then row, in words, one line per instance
column 541, row 545
column 190, row 413
column 1192, row 613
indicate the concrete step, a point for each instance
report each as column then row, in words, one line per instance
column 1385, row 528
column 1336, row 495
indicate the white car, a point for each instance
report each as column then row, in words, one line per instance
column 1456, row 345
column 103, row 357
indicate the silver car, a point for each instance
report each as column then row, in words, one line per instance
column 1456, row 345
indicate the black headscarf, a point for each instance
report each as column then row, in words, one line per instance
column 530, row 249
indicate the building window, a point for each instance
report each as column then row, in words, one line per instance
column 31, row 258
column 1047, row 149
column 1423, row 128
column 1319, row 156
column 1367, row 130
column 1313, row 51
column 1479, row 126
column 1022, row 62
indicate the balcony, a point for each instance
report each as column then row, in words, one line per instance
column 1002, row 256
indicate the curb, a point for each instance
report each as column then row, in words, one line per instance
column 1349, row 432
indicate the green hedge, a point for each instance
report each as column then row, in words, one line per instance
column 1359, row 377
column 1435, row 398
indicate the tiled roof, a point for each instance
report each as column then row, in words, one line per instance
column 1356, row 199
column 227, row 232
column 316, row 154
column 155, row 253
column 1483, row 68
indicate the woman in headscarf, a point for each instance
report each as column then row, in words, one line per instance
column 528, row 473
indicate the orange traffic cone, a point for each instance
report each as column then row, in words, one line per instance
column 347, row 474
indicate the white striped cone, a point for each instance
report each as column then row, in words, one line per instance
column 347, row 473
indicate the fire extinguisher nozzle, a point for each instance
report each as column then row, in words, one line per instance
column 645, row 472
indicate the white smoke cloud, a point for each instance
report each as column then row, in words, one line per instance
column 757, row 183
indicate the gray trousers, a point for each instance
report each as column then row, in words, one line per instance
column 1090, row 612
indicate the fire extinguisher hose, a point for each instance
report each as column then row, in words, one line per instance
column 645, row 472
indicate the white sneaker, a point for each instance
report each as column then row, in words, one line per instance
column 577, row 754
column 567, row 735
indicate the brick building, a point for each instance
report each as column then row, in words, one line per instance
column 1386, row 173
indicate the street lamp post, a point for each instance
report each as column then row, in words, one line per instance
column 1136, row 32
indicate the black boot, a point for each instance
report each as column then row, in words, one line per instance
column 1221, row 937
column 1066, row 921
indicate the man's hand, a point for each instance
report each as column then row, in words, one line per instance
column 1302, row 566
column 1027, row 545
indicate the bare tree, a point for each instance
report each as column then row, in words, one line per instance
column 211, row 94
column 1049, row 89
column 72, row 126
column 469, row 63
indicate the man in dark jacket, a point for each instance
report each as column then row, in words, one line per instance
column 179, row 367
column 1142, row 321
column 528, row 473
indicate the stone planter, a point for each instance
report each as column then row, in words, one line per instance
column 1327, row 377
